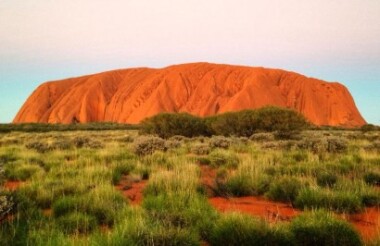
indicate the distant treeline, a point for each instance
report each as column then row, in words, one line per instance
column 242, row 123
column 43, row 127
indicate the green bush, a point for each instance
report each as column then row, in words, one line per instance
column 336, row 145
column 220, row 142
column 81, row 142
column 38, row 146
column 322, row 228
column 119, row 171
column 170, row 236
column 62, row 144
column 166, row 125
column 74, row 223
column 246, row 185
column 326, row 179
column 181, row 211
column 342, row 202
column 147, row 145
column 224, row 158
column 200, row 149
column 21, row 172
column 172, row 144
column 247, row 122
column 369, row 127
column 284, row 189
column 100, row 204
column 372, row 178
column 86, row 142
column 235, row 229
column 66, row 205
column 370, row 198
column 262, row 137
column 280, row 119
column 6, row 204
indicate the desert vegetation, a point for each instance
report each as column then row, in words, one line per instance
column 243, row 123
column 118, row 187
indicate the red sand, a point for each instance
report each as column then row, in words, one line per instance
column 13, row 185
column 208, row 175
column 132, row 190
column 130, row 95
column 367, row 223
column 270, row 211
column 47, row 212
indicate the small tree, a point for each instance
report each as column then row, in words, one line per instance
column 166, row 125
column 247, row 122
column 6, row 202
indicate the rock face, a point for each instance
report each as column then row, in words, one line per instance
column 130, row 95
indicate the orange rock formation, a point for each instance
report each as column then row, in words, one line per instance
column 130, row 95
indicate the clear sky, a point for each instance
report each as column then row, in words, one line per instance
column 334, row 40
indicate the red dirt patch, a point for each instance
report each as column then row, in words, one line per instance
column 47, row 212
column 13, row 185
column 132, row 190
column 367, row 223
column 208, row 175
column 270, row 211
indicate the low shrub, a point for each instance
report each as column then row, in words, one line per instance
column 247, row 122
column 242, row 230
column 38, row 146
column 147, row 145
column 326, row 179
column 203, row 161
column 336, row 145
column 94, row 145
column 179, row 138
column 181, row 211
column 172, row 144
column 288, row 135
column 167, row 125
column 373, row 146
column 66, row 205
column 126, row 139
column 201, row 149
column 62, row 144
column 285, row 189
column 75, row 223
column 80, row 142
column 220, row 142
column 119, row 171
column 246, row 185
column 341, row 202
column 6, row 204
column 315, row 145
column 369, row 128
column 370, row 198
column 322, row 228
column 262, row 137
column 7, row 158
column 21, row 172
column 167, row 236
column 224, row 158
column 102, row 204
column 372, row 178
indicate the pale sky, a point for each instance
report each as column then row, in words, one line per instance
column 334, row 40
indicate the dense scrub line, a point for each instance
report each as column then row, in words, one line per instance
column 44, row 127
column 243, row 123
